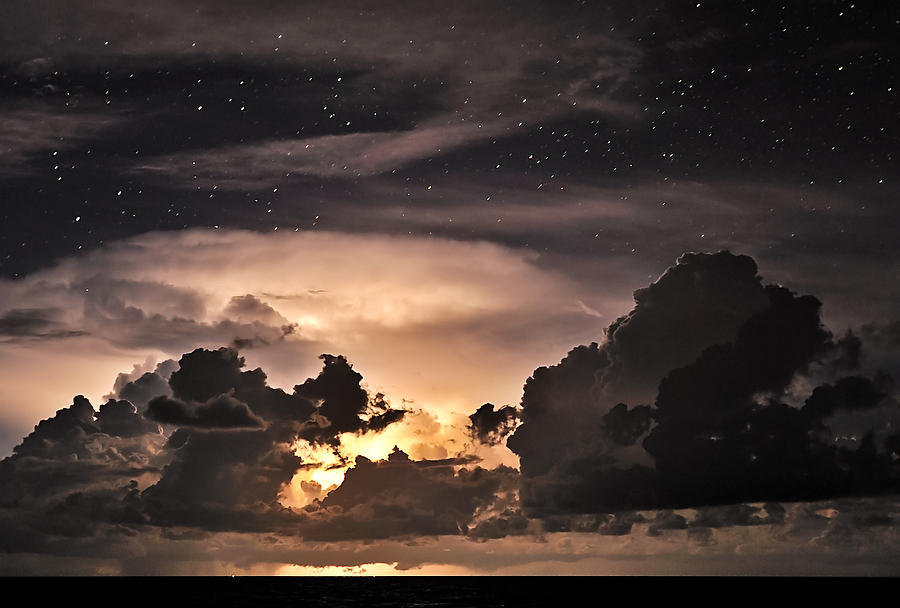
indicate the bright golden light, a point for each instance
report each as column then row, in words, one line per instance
column 374, row 569
column 419, row 434
column 320, row 466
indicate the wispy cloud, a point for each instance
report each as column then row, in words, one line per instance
column 488, row 82
column 27, row 132
column 352, row 155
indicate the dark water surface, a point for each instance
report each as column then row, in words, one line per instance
column 417, row 592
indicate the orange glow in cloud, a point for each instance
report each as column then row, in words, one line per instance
column 442, row 324
column 421, row 435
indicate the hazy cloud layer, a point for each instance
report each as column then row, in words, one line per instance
column 282, row 299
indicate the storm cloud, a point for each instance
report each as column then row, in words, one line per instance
column 402, row 497
column 490, row 425
column 223, row 411
column 224, row 452
column 719, row 355
column 757, row 405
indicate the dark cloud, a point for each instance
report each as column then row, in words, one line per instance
column 224, row 480
column 206, row 374
column 339, row 397
column 699, row 301
column 249, row 308
column 223, row 411
column 71, row 423
column 67, row 434
column 121, row 419
column 556, row 406
column 381, row 421
column 850, row 349
column 222, row 468
column 625, row 426
column 667, row 520
column 490, row 426
column 24, row 322
column 848, row 393
column 739, row 515
column 400, row 496
column 510, row 522
column 620, row 524
column 148, row 385
column 329, row 404
column 721, row 436
column 722, row 350
column 79, row 450
column 34, row 323
column 231, row 479
column 718, row 433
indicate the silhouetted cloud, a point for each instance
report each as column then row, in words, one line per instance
column 140, row 388
column 121, row 419
column 339, row 396
column 721, row 352
column 80, row 450
column 222, row 468
column 223, row 411
column 400, row 496
column 224, row 480
column 490, row 426
column 723, row 436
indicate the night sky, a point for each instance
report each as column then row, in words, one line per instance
column 509, row 287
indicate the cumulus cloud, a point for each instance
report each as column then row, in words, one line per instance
column 225, row 453
column 81, row 450
column 230, row 455
column 717, row 353
column 142, row 385
column 224, row 480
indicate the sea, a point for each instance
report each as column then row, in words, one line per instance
column 424, row 591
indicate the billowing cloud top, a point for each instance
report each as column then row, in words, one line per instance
column 730, row 366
